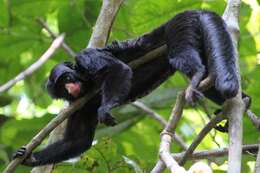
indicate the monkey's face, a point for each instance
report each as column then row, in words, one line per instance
column 70, row 84
column 64, row 82
column 69, row 87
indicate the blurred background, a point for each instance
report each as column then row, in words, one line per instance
column 133, row 145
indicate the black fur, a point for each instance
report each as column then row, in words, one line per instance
column 199, row 45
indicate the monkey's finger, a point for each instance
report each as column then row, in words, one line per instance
column 18, row 154
column 197, row 94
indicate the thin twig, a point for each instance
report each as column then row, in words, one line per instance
column 254, row 119
column 54, row 36
column 104, row 23
column 204, row 106
column 205, row 154
column 161, row 120
column 35, row 66
column 150, row 112
column 211, row 124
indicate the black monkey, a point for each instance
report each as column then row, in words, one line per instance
column 199, row 45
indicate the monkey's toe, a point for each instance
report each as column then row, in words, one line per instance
column 192, row 96
column 19, row 153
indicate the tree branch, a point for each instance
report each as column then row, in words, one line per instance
column 205, row 154
column 257, row 163
column 35, row 66
column 104, row 23
column 234, row 107
column 254, row 119
column 54, row 36
column 166, row 136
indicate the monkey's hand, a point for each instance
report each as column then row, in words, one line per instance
column 192, row 95
column 105, row 117
column 30, row 160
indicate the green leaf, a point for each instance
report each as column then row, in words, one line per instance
column 5, row 100
column 4, row 14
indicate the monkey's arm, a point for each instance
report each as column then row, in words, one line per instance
column 78, row 137
column 115, row 79
column 57, row 152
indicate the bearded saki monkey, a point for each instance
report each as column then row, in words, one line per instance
column 198, row 45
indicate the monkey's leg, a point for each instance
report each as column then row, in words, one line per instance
column 191, row 93
column 189, row 63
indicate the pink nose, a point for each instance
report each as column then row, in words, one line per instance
column 73, row 89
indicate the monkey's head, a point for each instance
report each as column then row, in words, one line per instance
column 64, row 82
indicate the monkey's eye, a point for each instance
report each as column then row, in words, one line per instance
column 68, row 78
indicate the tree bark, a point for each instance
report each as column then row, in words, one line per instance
column 234, row 107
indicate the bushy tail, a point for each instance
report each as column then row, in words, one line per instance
column 220, row 52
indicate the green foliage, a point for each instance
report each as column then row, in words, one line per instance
column 133, row 145
column 103, row 157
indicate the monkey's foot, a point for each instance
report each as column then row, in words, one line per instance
column 106, row 118
column 19, row 153
column 192, row 95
